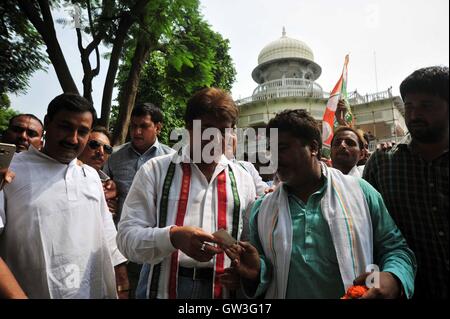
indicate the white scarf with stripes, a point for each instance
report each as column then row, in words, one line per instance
column 346, row 211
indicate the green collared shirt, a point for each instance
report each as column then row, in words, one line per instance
column 314, row 270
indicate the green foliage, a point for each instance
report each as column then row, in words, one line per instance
column 5, row 115
column 20, row 47
column 189, row 56
column 4, row 101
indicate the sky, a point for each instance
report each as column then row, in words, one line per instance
column 386, row 40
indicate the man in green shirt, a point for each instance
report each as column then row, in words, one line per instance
column 317, row 233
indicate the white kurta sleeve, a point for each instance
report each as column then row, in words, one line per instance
column 260, row 185
column 110, row 233
column 139, row 238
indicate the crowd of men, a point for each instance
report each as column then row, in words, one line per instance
column 81, row 219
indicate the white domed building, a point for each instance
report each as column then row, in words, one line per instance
column 286, row 75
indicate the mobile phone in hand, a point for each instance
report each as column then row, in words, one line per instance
column 7, row 152
column 103, row 176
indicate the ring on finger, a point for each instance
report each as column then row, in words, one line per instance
column 203, row 247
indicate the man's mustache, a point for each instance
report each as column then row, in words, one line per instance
column 97, row 157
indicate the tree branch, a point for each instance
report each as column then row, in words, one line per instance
column 32, row 14
column 46, row 13
column 79, row 42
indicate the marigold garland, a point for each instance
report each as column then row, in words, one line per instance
column 355, row 292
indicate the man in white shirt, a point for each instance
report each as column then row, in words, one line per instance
column 59, row 238
column 347, row 148
column 261, row 187
column 177, row 201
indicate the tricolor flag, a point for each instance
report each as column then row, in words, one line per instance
column 329, row 121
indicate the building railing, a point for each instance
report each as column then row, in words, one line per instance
column 305, row 88
column 355, row 98
column 289, row 83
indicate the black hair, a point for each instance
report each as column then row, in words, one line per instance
column 103, row 130
column 432, row 80
column 144, row 109
column 361, row 139
column 300, row 124
column 70, row 102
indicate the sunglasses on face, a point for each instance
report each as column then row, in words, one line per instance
column 93, row 144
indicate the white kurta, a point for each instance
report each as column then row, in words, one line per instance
column 260, row 185
column 59, row 237
column 141, row 240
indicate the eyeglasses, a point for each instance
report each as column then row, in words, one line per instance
column 93, row 144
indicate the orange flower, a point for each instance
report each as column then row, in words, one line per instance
column 355, row 292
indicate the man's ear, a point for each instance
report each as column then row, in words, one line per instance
column 158, row 128
column 314, row 147
column 361, row 154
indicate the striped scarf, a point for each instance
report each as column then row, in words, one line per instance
column 347, row 213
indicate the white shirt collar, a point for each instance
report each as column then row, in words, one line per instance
column 41, row 154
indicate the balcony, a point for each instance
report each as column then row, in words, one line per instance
column 291, row 87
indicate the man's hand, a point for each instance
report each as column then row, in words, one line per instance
column 341, row 110
column 245, row 260
column 110, row 189
column 230, row 279
column 112, row 205
column 123, row 286
column 390, row 287
column 192, row 241
column 6, row 177
column 269, row 189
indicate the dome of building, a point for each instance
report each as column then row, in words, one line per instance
column 286, row 58
column 285, row 47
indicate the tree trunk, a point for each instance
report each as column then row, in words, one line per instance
column 46, row 29
column 124, row 25
column 130, row 90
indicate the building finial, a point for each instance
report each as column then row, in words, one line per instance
column 284, row 32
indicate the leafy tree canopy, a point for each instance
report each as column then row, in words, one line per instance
column 193, row 57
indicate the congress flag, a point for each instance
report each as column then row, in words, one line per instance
column 339, row 93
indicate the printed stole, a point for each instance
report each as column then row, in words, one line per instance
column 181, row 212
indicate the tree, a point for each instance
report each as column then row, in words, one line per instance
column 133, row 29
column 20, row 50
column 5, row 115
column 161, row 20
column 194, row 57
column 109, row 21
